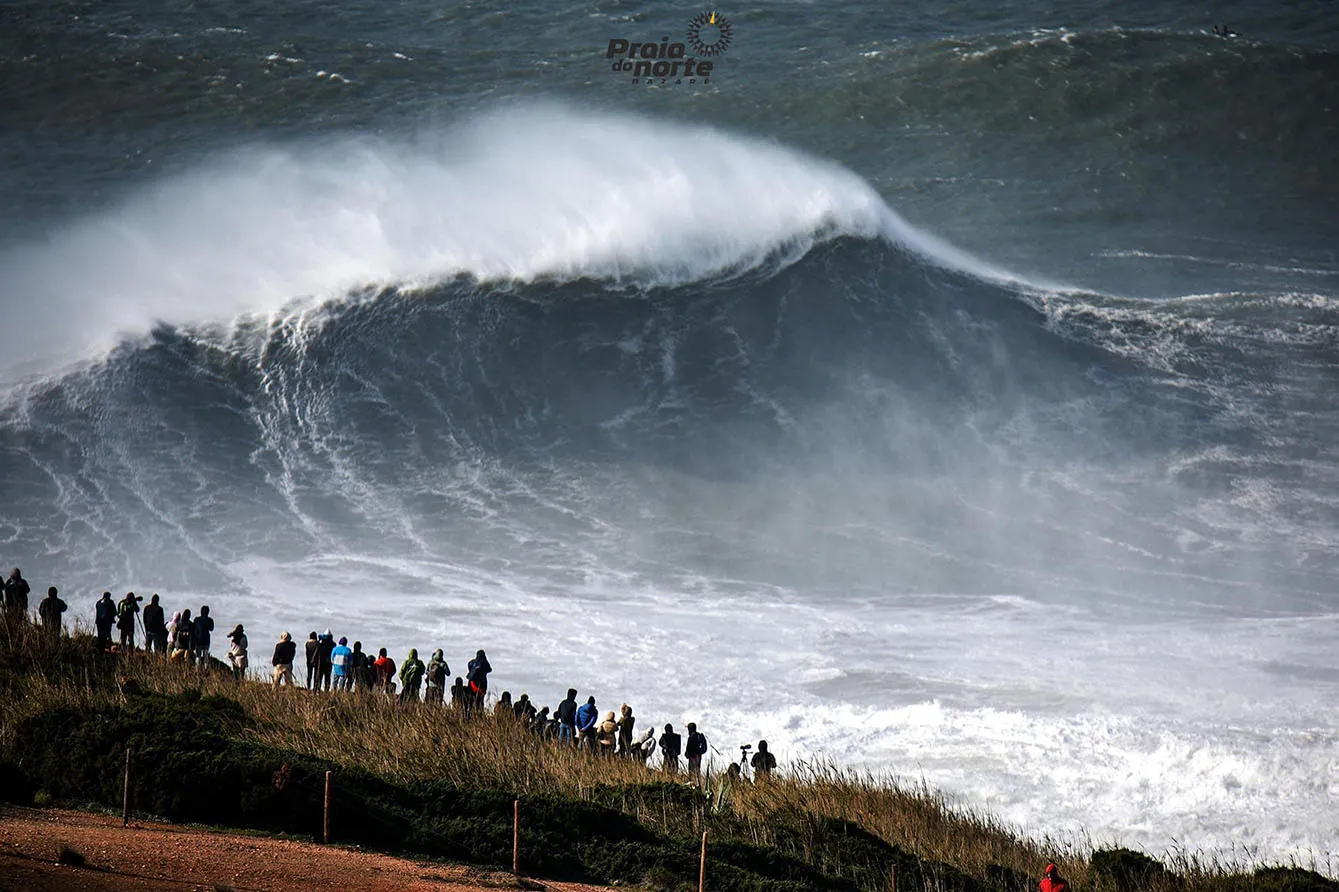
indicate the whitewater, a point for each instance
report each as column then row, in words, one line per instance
column 716, row 433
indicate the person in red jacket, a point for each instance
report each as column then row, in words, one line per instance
column 1053, row 882
column 385, row 667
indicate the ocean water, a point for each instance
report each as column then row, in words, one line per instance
column 947, row 391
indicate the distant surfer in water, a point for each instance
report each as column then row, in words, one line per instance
column 1224, row 31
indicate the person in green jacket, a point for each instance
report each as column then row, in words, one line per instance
column 438, row 670
column 411, row 676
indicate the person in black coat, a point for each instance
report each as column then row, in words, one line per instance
column 16, row 595
column 284, row 653
column 155, row 626
column 312, row 661
column 567, row 718
column 763, row 762
column 671, row 745
column 695, row 748
column 325, row 664
column 50, row 610
column 104, row 616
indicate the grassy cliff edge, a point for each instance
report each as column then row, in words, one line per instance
column 421, row 780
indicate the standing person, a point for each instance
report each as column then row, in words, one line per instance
column 626, row 722
column 1053, row 881
column 312, row 661
column 436, row 676
column 284, row 653
column 587, row 716
column 695, row 748
column 385, row 673
column 340, row 658
column 460, row 695
column 763, row 762
column 155, row 630
column 16, row 595
column 358, row 667
column 104, row 616
column 50, row 609
column 670, row 747
column 202, row 629
column 237, row 652
column 504, row 706
column 478, row 678
column 606, row 734
column 567, row 718
column 411, row 676
column 183, row 635
column 127, row 609
column 325, row 667
column 524, row 710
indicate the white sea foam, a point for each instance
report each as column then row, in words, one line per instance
column 538, row 191
column 1167, row 732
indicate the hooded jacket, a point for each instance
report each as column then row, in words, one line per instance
column 1053, row 882
column 411, row 670
column 606, row 733
column 50, row 608
column 478, row 672
column 125, row 613
column 285, row 651
column 104, row 612
column 438, row 670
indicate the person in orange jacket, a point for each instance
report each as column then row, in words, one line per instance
column 1053, row 882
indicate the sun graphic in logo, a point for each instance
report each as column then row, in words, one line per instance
column 709, row 34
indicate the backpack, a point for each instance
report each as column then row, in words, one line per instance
column 697, row 744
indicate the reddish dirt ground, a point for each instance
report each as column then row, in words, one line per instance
column 148, row 856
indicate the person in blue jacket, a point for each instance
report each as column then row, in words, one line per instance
column 587, row 716
column 341, row 662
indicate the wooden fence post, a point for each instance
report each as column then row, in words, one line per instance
column 892, row 878
column 702, row 866
column 327, row 807
column 125, row 794
column 516, row 837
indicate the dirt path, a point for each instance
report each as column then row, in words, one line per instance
column 148, row 856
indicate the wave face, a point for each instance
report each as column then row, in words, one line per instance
column 551, row 382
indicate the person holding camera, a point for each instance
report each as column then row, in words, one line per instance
column 127, row 610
